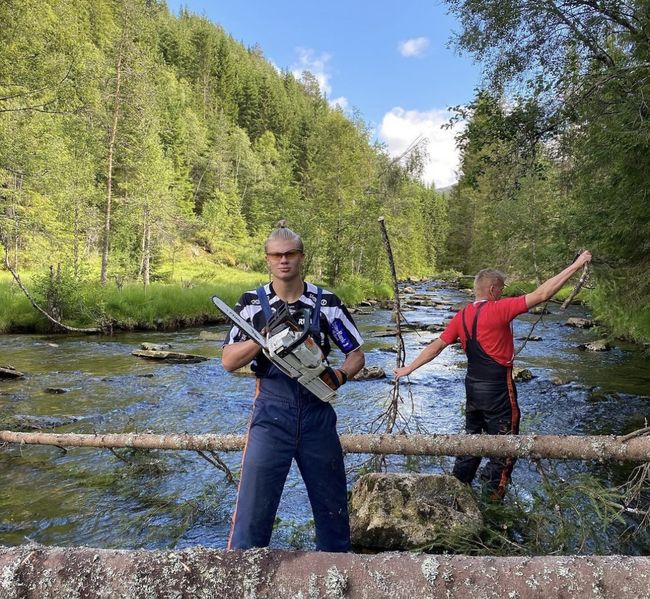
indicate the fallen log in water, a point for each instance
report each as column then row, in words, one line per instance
column 70, row 573
column 630, row 448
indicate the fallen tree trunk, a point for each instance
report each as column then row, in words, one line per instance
column 70, row 573
column 630, row 448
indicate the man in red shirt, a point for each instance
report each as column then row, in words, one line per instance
column 485, row 332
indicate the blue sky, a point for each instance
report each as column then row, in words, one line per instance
column 388, row 61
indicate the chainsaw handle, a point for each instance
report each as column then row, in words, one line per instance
column 303, row 335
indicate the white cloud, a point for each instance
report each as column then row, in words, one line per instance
column 316, row 64
column 341, row 102
column 400, row 128
column 413, row 47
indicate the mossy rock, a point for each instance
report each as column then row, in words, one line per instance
column 411, row 511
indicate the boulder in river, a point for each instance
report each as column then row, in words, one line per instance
column 370, row 374
column 580, row 323
column 522, row 375
column 599, row 345
column 9, row 372
column 56, row 390
column 155, row 346
column 168, row 356
column 390, row 511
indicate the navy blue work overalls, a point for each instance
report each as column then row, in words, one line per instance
column 491, row 408
column 288, row 422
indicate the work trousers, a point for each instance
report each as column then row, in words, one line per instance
column 285, row 426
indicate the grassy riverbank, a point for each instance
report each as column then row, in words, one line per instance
column 186, row 301
column 134, row 307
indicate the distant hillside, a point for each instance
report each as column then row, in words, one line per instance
column 163, row 133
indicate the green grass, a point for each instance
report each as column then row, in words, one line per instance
column 159, row 306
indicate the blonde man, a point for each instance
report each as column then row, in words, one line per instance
column 485, row 333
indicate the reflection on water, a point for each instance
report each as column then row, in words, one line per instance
column 176, row 499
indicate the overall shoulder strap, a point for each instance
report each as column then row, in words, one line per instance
column 474, row 326
column 264, row 303
column 315, row 315
column 462, row 317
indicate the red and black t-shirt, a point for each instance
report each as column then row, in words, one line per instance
column 494, row 333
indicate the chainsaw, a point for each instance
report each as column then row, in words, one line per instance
column 289, row 347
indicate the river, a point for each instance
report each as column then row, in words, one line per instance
column 177, row 499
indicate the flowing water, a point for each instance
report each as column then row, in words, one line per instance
column 177, row 499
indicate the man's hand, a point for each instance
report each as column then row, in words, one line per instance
column 583, row 258
column 334, row 377
column 403, row 371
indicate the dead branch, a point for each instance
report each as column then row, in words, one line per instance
column 583, row 279
column 14, row 274
column 392, row 411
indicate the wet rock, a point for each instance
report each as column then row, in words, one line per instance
column 56, row 390
column 531, row 338
column 559, row 381
column 27, row 422
column 386, row 333
column 212, row 335
column 9, row 372
column 408, row 290
column 409, row 511
column 370, row 374
column 435, row 328
column 522, row 375
column 580, row 323
column 168, row 356
column 600, row 345
column 155, row 346
column 539, row 310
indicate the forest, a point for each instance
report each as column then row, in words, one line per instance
column 138, row 147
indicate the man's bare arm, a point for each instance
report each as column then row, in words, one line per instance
column 236, row 355
column 549, row 288
column 426, row 355
column 353, row 363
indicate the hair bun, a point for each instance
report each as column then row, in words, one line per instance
column 282, row 224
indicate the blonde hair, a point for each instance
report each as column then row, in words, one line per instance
column 488, row 274
column 284, row 233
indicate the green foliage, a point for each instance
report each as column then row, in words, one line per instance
column 355, row 289
column 157, row 306
column 579, row 515
column 562, row 163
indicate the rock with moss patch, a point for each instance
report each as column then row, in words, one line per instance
column 168, row 356
column 600, row 345
column 9, row 372
column 522, row 375
column 580, row 323
column 409, row 511
column 370, row 374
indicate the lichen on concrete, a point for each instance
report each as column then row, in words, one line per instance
column 336, row 583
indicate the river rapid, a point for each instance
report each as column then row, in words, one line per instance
column 177, row 499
